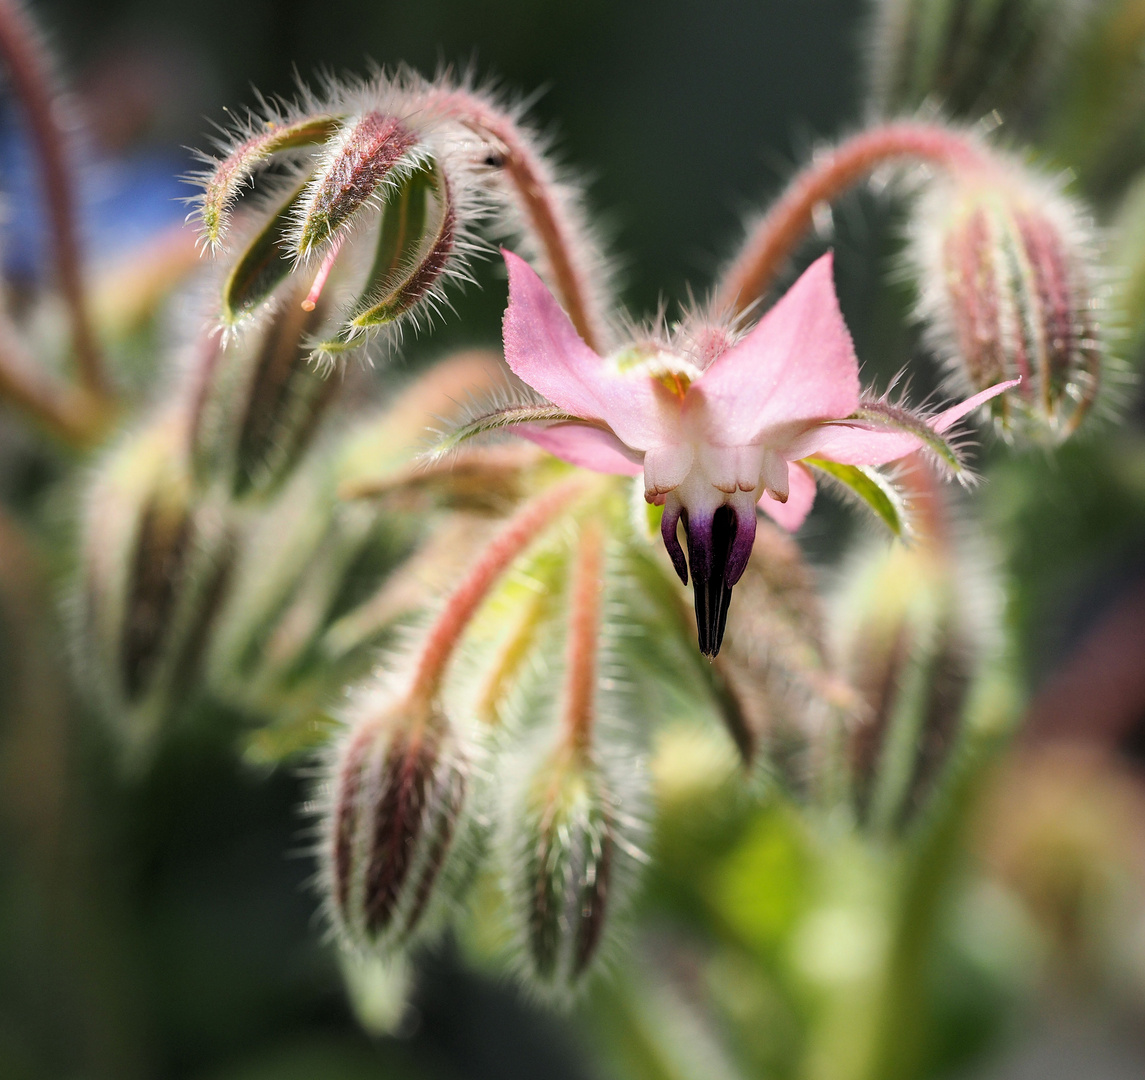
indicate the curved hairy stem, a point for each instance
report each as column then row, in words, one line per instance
column 28, row 71
column 584, row 629
column 548, row 218
column 833, row 172
column 462, row 605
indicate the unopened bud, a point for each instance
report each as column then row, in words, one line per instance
column 1006, row 290
column 565, row 847
column 156, row 568
column 967, row 57
column 396, row 812
column 258, row 401
column 910, row 628
column 392, row 175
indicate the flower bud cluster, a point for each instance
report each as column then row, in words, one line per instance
column 504, row 743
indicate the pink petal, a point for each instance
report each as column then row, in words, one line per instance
column 792, row 513
column 581, row 444
column 545, row 351
column 796, row 366
column 860, row 445
column 946, row 420
column 856, row 445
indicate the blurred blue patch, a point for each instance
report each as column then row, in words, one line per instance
column 122, row 202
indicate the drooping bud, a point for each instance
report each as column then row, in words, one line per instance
column 401, row 774
column 565, row 826
column 969, row 57
column 258, row 401
column 156, row 568
column 391, row 176
column 565, row 835
column 1007, row 290
column 396, row 810
column 911, row 628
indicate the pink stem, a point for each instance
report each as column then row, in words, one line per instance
column 315, row 293
column 31, row 81
column 584, row 628
column 532, row 178
column 445, row 633
column 774, row 239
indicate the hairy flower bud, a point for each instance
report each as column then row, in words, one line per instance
column 1007, row 290
column 565, row 847
column 257, row 403
column 261, row 141
column 968, row 56
column 910, row 627
column 393, row 832
column 156, row 568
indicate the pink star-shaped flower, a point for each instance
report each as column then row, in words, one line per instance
column 712, row 443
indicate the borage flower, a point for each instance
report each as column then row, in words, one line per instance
column 713, row 441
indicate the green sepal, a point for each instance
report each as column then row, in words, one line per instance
column 871, row 486
column 264, row 264
column 499, row 419
column 221, row 188
column 415, row 240
column 882, row 416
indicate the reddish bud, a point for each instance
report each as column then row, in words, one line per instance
column 399, row 787
column 1007, row 291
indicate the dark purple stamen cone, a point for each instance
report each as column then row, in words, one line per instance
column 709, row 547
